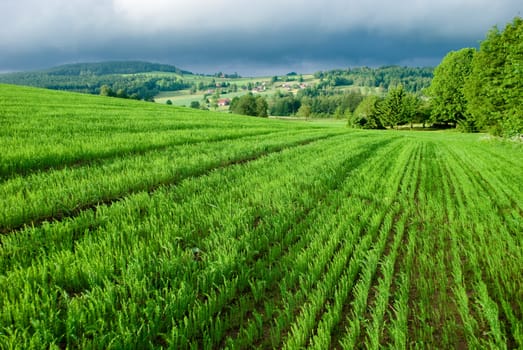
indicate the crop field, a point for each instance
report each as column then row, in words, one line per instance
column 132, row 225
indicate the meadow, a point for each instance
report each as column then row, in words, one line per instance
column 127, row 224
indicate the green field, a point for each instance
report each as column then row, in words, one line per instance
column 133, row 225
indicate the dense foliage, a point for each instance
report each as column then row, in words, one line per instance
column 413, row 79
column 484, row 89
column 397, row 107
column 249, row 104
column 334, row 95
column 495, row 87
column 130, row 225
column 447, row 90
column 366, row 115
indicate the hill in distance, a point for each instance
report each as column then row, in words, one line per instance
column 162, row 82
column 113, row 67
column 134, row 79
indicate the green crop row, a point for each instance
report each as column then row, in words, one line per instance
column 204, row 222
column 365, row 238
column 58, row 193
column 249, row 233
column 47, row 129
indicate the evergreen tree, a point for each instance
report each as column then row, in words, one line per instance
column 394, row 109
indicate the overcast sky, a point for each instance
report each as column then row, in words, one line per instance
column 245, row 36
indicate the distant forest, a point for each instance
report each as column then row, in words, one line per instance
column 143, row 80
column 412, row 79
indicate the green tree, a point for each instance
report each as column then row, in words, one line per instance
column 121, row 93
column 304, row 111
column 412, row 104
column 449, row 103
column 338, row 114
column 394, row 109
column 423, row 112
column 105, row 90
column 513, row 78
column 261, row 107
column 495, row 88
column 284, row 104
column 169, row 102
column 249, row 105
column 366, row 115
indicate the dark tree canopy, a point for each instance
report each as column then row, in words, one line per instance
column 249, row 104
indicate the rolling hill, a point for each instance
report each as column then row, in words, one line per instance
column 138, row 80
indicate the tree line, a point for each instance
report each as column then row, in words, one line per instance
column 471, row 89
column 397, row 107
column 483, row 89
column 138, row 86
column 413, row 79
column 338, row 93
column 375, row 111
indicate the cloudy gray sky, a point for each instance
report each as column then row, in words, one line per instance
column 246, row 36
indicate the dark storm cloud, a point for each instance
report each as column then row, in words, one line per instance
column 233, row 35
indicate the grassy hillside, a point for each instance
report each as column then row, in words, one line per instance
column 55, row 128
column 127, row 224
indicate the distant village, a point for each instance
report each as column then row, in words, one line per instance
column 258, row 87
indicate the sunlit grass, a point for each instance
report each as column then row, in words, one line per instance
column 133, row 225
